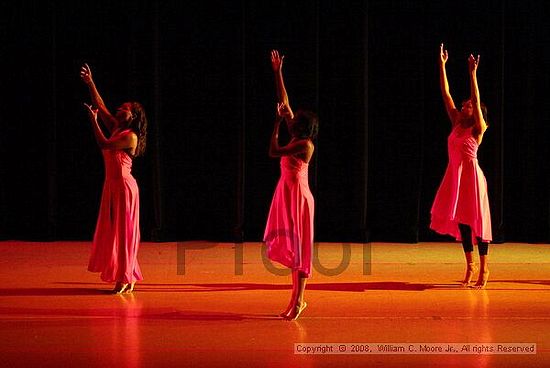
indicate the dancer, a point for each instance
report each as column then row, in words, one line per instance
column 289, row 230
column 461, row 205
column 117, row 234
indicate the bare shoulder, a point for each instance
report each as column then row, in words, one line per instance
column 127, row 133
column 128, row 136
column 309, row 147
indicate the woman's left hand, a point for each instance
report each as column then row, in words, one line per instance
column 92, row 113
column 473, row 63
column 283, row 112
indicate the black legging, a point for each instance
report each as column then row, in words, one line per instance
column 466, row 233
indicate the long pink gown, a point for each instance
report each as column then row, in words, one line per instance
column 462, row 196
column 289, row 230
column 117, row 236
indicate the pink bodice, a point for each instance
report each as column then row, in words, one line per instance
column 118, row 164
column 461, row 145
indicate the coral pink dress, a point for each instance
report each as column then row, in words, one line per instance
column 116, row 239
column 289, row 230
column 462, row 196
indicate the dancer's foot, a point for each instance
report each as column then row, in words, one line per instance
column 296, row 311
column 482, row 280
column 119, row 288
column 130, row 287
column 470, row 270
column 287, row 312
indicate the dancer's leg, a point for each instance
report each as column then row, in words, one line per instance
column 466, row 234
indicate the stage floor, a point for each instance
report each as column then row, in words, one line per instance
column 208, row 304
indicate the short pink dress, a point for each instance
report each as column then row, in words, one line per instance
column 117, row 236
column 289, row 230
column 462, row 196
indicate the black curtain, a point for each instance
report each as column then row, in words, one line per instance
column 202, row 71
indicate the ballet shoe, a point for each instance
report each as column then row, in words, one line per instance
column 296, row 311
column 286, row 313
column 119, row 288
column 482, row 280
column 130, row 287
column 470, row 270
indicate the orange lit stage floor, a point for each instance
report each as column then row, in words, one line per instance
column 214, row 305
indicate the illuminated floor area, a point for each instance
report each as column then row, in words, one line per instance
column 215, row 305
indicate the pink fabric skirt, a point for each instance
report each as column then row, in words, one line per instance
column 289, row 230
column 462, row 198
column 117, row 236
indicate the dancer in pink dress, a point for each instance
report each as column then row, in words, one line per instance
column 289, row 230
column 461, row 205
column 117, row 236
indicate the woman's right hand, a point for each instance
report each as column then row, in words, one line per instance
column 443, row 55
column 86, row 74
column 276, row 61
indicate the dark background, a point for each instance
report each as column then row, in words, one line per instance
column 202, row 71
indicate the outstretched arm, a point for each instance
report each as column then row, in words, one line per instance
column 277, row 65
column 108, row 119
column 126, row 140
column 480, row 123
column 444, row 85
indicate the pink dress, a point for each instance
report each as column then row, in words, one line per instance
column 462, row 196
column 117, row 236
column 289, row 230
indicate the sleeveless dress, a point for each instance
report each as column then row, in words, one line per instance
column 462, row 196
column 289, row 230
column 117, row 236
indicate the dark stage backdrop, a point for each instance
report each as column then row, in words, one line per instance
column 202, row 70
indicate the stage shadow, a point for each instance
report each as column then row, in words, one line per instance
column 132, row 311
column 209, row 316
column 219, row 287
column 52, row 291
column 528, row 282
column 223, row 287
column 337, row 287
column 215, row 287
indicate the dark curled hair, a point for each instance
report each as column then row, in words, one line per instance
column 139, row 126
column 308, row 123
column 484, row 113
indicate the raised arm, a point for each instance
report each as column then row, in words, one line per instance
column 126, row 140
column 107, row 118
column 277, row 65
column 480, row 123
column 452, row 112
